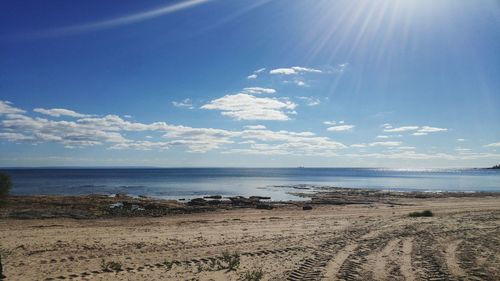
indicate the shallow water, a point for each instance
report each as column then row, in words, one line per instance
column 276, row 182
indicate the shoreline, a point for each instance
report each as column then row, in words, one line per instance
column 120, row 205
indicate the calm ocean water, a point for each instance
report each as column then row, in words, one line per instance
column 195, row 182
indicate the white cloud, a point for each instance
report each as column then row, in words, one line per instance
column 406, row 148
column 495, row 144
column 419, row 134
column 340, row 128
column 388, row 136
column 286, row 142
column 14, row 137
column 358, row 145
column 258, row 90
column 293, row 70
column 7, row 108
column 389, row 129
column 186, row 103
column 255, row 73
column 460, row 140
column 255, row 127
column 243, row 106
column 386, row 143
column 300, row 83
column 427, row 129
column 330, row 123
column 311, row 101
column 417, row 130
column 58, row 112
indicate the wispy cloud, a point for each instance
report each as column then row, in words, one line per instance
column 311, row 101
column 417, row 130
column 7, row 108
column 386, row 143
column 495, row 144
column 118, row 21
column 186, row 103
column 293, row 70
column 243, row 106
column 390, row 129
column 255, row 127
column 425, row 130
column 332, row 122
column 58, row 112
column 256, row 73
column 258, row 90
column 340, row 128
column 339, row 68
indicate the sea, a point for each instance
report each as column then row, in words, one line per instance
column 280, row 184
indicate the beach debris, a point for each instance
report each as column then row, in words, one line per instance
column 307, row 208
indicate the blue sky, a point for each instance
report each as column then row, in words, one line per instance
column 405, row 84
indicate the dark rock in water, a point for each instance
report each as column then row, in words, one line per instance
column 242, row 201
column 182, row 199
column 260, row 197
column 197, row 202
column 307, row 208
column 213, row 197
column 264, row 206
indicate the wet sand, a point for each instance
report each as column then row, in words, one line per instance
column 366, row 241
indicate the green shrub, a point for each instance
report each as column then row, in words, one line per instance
column 232, row 260
column 5, row 185
column 426, row 213
column 254, row 275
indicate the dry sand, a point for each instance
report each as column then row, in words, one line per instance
column 351, row 242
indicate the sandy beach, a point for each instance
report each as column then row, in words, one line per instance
column 375, row 241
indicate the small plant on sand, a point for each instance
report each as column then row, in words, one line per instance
column 168, row 265
column 111, row 266
column 232, row 260
column 425, row 213
column 252, row 275
column 5, row 185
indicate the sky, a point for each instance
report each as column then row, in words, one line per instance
column 284, row 83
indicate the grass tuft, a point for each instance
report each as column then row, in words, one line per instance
column 254, row 275
column 232, row 261
column 110, row 266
